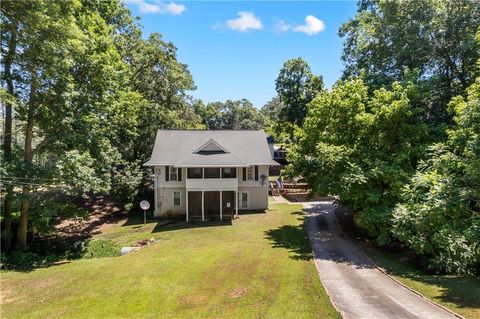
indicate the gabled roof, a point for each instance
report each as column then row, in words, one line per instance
column 211, row 146
column 184, row 148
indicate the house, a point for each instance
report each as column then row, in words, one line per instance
column 204, row 174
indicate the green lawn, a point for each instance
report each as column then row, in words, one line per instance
column 258, row 267
column 460, row 294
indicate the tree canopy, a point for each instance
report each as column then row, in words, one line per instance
column 397, row 139
column 296, row 86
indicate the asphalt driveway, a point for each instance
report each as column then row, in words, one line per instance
column 356, row 286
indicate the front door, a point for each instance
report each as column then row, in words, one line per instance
column 228, row 199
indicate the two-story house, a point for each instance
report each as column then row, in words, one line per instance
column 206, row 174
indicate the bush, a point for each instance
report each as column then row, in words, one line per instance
column 98, row 248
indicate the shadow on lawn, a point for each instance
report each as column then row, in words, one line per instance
column 291, row 237
column 163, row 224
column 162, row 227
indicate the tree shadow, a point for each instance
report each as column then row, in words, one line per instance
column 176, row 225
column 293, row 238
column 251, row 212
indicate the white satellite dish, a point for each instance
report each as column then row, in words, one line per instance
column 144, row 205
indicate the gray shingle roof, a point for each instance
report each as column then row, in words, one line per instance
column 177, row 148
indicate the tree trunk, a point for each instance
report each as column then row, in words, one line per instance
column 28, row 159
column 23, row 225
column 7, row 219
column 7, row 137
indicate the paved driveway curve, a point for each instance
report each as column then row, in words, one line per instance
column 355, row 285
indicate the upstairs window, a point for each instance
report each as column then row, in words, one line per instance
column 250, row 173
column 173, row 173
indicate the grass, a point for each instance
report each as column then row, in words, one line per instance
column 258, row 266
column 457, row 293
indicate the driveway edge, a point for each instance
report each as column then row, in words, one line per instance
column 389, row 276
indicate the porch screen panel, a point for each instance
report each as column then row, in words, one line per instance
column 194, row 172
column 195, row 204
column 211, row 172
column 229, row 172
column 211, row 203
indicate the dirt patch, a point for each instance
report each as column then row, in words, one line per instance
column 237, row 293
column 102, row 213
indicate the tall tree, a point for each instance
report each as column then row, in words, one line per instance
column 9, row 28
column 296, row 86
column 388, row 40
column 46, row 37
column 71, row 95
column 229, row 115
column 439, row 215
column 162, row 81
column 362, row 148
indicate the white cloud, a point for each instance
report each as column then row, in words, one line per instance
column 312, row 26
column 281, row 26
column 246, row 21
column 156, row 6
column 175, row 9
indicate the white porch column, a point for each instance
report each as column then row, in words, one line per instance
column 221, row 206
column 203, row 208
column 155, row 183
column 186, row 203
column 236, row 203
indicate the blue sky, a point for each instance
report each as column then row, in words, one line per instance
column 235, row 49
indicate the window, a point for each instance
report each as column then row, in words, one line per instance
column 176, row 198
column 211, row 172
column 244, row 198
column 173, row 173
column 250, row 173
column 194, row 172
column 229, row 172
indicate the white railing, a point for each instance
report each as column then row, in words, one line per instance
column 211, row 183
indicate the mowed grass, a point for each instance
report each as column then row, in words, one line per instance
column 259, row 266
column 457, row 293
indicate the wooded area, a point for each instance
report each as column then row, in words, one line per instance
column 397, row 139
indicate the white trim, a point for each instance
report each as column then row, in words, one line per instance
column 236, row 206
column 186, row 203
column 221, row 205
column 203, row 205
column 155, row 183
column 173, row 195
